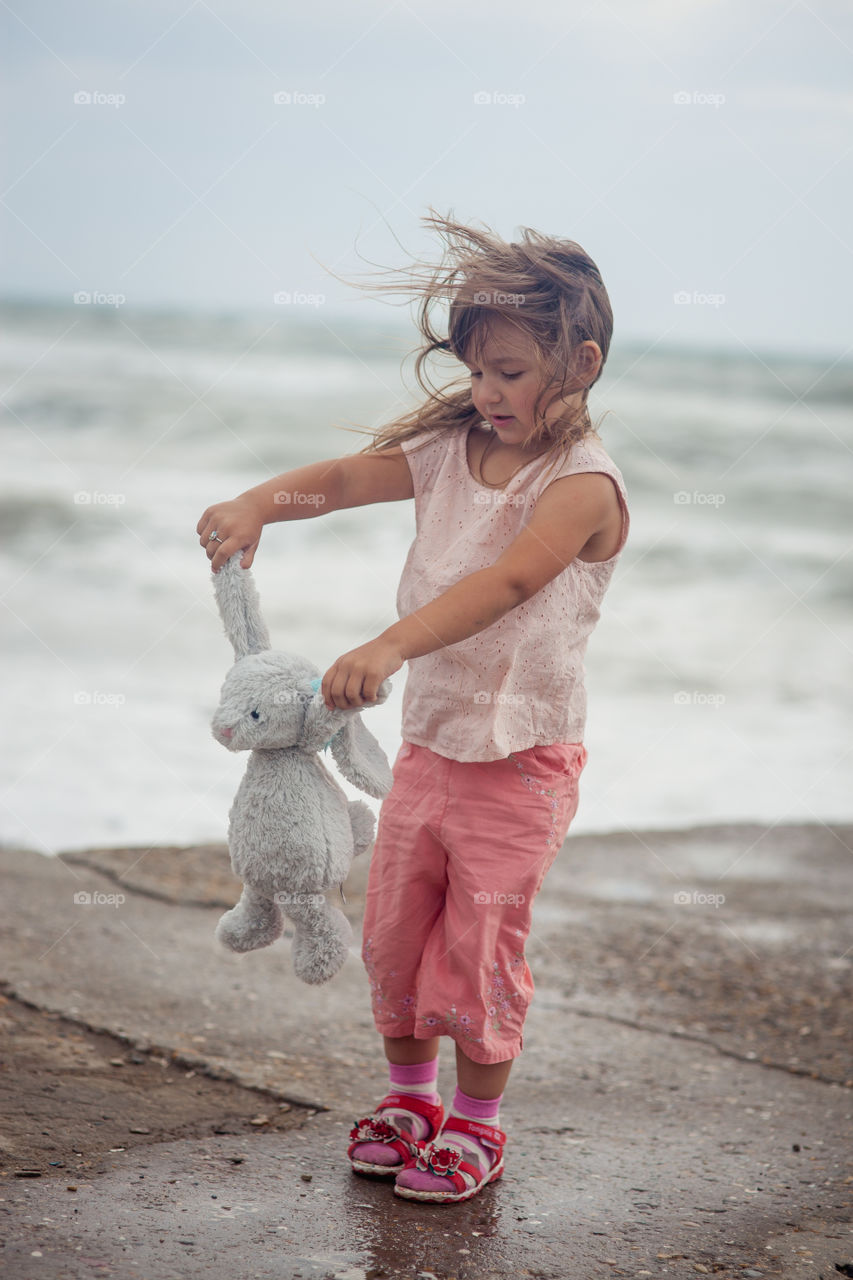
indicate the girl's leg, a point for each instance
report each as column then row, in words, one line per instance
column 484, row 1080
column 506, row 833
column 478, row 1096
column 405, row 1051
column 412, row 1075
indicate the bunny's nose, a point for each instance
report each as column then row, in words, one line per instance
column 227, row 733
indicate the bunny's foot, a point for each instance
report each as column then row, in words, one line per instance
column 321, row 943
column 255, row 922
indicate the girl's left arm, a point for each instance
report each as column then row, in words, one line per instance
column 570, row 512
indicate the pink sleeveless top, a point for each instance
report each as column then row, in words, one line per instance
column 520, row 682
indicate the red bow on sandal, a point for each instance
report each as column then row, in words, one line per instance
column 445, row 1160
column 378, row 1128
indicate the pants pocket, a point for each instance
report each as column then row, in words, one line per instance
column 565, row 759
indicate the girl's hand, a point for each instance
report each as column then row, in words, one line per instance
column 238, row 526
column 354, row 679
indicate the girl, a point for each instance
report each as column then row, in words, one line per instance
column 521, row 516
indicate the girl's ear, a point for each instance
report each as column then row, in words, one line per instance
column 587, row 360
column 240, row 607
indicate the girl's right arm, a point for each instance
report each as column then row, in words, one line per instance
column 353, row 481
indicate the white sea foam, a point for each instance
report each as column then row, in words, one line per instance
column 718, row 677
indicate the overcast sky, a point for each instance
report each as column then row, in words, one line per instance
column 693, row 148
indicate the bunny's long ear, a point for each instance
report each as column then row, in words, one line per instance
column 239, row 605
column 357, row 753
column 361, row 759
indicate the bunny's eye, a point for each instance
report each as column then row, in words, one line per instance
column 256, row 715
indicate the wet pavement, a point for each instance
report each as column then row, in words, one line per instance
column 682, row 1106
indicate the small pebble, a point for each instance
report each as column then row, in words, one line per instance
column 306, row 1177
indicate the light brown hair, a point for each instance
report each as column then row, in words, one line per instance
column 550, row 288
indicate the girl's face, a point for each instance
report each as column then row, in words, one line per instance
column 506, row 383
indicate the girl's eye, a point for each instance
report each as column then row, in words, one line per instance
column 256, row 715
column 512, row 375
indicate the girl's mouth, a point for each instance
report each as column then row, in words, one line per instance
column 501, row 419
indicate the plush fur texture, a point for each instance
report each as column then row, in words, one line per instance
column 292, row 831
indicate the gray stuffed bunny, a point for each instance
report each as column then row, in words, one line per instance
column 292, row 832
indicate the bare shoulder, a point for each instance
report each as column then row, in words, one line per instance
column 382, row 475
column 595, row 496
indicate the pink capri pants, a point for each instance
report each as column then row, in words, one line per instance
column 461, row 851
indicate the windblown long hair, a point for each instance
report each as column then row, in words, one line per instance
column 550, row 288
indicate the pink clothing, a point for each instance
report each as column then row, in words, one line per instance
column 520, row 682
column 461, row 851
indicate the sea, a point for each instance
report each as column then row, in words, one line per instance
column 719, row 676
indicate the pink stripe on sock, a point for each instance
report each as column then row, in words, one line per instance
column 414, row 1073
column 476, row 1108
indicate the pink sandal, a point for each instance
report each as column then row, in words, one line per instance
column 445, row 1160
column 377, row 1128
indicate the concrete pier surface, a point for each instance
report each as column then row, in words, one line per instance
column 682, row 1106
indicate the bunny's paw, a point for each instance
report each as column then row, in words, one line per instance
column 363, row 826
column 318, row 955
column 255, row 922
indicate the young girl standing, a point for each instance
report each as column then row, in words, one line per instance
column 521, row 517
